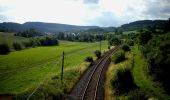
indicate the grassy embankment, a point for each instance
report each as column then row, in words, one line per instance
column 111, row 74
column 146, row 87
column 22, row 71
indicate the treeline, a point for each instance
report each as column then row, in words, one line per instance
column 77, row 37
column 156, row 50
column 32, row 42
column 155, row 47
column 29, row 33
column 155, row 25
column 113, row 40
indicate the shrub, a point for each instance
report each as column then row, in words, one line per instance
column 98, row 54
column 123, row 81
column 157, row 54
column 108, row 47
column 49, row 41
column 89, row 59
column 138, row 94
column 4, row 48
column 27, row 44
column 144, row 37
column 125, row 47
column 17, row 46
column 114, row 41
column 35, row 42
column 118, row 57
column 130, row 42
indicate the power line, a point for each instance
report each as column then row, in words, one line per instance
column 41, row 82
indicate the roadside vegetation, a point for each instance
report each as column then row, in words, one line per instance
column 144, row 72
column 119, row 78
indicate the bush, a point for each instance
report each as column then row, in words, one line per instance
column 118, row 57
column 89, row 59
column 98, row 54
column 35, row 42
column 17, row 46
column 137, row 94
column 144, row 37
column 108, row 47
column 27, row 44
column 130, row 42
column 157, row 54
column 114, row 41
column 4, row 49
column 49, row 41
column 125, row 47
column 123, row 81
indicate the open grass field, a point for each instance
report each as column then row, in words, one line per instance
column 22, row 71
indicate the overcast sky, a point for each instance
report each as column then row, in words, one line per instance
column 83, row 12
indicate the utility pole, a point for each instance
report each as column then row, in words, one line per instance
column 62, row 68
column 100, row 45
column 100, row 36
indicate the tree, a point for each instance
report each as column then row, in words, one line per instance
column 125, row 47
column 144, row 37
column 49, row 41
column 60, row 36
column 114, row 41
column 118, row 31
column 118, row 56
column 4, row 48
column 17, row 46
column 98, row 54
column 123, row 82
column 157, row 54
column 29, row 33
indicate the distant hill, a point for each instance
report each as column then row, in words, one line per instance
column 56, row 27
column 44, row 27
column 101, row 29
column 137, row 25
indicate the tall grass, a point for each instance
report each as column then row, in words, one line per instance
column 111, row 75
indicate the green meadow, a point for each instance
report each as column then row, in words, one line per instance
column 21, row 72
column 9, row 38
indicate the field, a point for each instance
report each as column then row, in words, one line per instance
column 23, row 71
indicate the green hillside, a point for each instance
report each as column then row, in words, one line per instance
column 22, row 71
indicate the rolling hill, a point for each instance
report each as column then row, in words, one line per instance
column 43, row 27
column 137, row 25
column 56, row 27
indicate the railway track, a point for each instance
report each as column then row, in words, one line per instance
column 91, row 84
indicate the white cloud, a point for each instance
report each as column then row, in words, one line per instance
column 83, row 12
